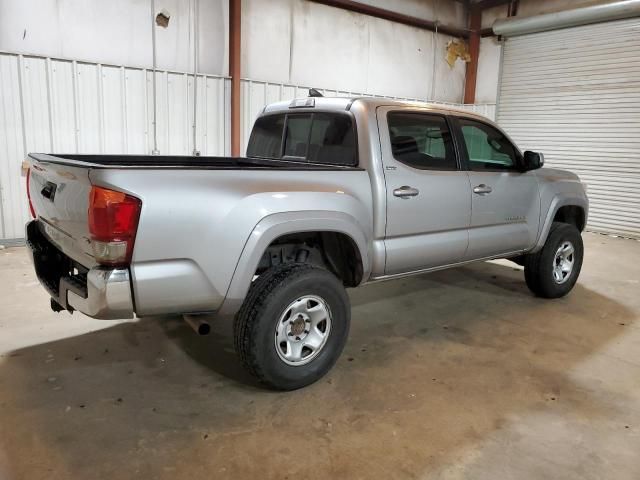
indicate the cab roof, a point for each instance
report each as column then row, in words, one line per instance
column 346, row 103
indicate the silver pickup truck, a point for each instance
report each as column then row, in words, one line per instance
column 333, row 193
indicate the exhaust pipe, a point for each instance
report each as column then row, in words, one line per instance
column 198, row 323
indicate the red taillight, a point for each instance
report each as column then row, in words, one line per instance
column 31, row 210
column 113, row 221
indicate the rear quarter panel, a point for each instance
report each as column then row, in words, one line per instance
column 194, row 224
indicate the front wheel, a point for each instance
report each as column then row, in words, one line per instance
column 292, row 326
column 553, row 271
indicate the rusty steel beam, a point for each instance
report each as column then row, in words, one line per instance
column 395, row 17
column 235, row 20
column 475, row 23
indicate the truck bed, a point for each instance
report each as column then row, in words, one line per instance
column 197, row 215
column 181, row 162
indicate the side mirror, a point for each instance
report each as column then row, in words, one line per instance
column 532, row 160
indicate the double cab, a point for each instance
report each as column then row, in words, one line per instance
column 333, row 193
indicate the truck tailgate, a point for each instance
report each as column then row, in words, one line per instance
column 60, row 197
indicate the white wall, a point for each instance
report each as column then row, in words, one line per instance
column 116, row 32
column 300, row 42
column 489, row 58
column 289, row 41
column 488, row 70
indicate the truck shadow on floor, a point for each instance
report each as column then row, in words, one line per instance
column 434, row 363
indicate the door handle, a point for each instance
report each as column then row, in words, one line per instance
column 482, row 189
column 406, row 191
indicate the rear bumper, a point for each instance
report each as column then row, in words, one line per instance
column 98, row 292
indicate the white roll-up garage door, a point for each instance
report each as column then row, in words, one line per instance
column 574, row 94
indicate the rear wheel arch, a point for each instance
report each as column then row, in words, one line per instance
column 339, row 227
column 334, row 250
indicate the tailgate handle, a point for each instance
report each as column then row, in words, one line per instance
column 49, row 191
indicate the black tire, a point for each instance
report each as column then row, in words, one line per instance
column 256, row 322
column 539, row 266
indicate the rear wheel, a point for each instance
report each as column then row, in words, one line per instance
column 292, row 326
column 553, row 271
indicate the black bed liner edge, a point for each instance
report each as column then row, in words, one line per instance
column 182, row 162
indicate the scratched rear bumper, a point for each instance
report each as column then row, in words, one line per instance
column 103, row 293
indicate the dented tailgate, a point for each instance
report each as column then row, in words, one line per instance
column 59, row 194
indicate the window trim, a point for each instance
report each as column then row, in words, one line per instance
column 450, row 129
column 517, row 166
column 312, row 113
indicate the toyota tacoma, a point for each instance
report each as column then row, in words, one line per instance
column 333, row 193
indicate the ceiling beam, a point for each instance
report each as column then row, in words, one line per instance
column 392, row 16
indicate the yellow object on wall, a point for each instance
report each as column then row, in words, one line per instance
column 457, row 49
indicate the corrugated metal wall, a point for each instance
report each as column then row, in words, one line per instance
column 574, row 94
column 66, row 106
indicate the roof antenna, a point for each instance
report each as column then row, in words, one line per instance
column 314, row 93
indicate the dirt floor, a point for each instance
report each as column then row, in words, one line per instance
column 455, row 374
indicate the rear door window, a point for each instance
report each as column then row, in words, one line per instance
column 324, row 138
column 421, row 141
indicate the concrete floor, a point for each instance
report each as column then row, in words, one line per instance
column 456, row 374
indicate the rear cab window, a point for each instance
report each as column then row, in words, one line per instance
column 266, row 137
column 322, row 138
